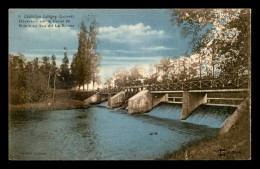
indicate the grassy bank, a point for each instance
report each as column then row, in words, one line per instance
column 232, row 145
column 64, row 100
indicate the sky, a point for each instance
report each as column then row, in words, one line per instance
column 127, row 37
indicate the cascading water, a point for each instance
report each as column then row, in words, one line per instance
column 211, row 116
column 103, row 104
column 168, row 111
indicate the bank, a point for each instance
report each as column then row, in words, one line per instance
column 63, row 100
column 233, row 143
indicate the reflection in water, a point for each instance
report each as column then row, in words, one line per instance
column 102, row 133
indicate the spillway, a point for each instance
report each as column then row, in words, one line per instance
column 103, row 104
column 211, row 116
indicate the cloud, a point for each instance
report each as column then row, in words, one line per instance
column 158, row 48
column 47, row 33
column 51, row 50
column 106, row 51
column 130, row 33
column 110, row 59
column 141, row 50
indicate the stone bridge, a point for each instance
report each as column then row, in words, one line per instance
column 191, row 94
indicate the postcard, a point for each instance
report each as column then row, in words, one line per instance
column 129, row 84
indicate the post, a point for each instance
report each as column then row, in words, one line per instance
column 191, row 101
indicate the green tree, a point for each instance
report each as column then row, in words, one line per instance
column 26, row 82
column 74, row 72
column 85, row 63
column 54, row 73
column 93, row 58
column 64, row 74
column 46, row 68
column 17, row 79
column 82, row 60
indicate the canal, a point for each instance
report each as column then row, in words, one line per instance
column 100, row 133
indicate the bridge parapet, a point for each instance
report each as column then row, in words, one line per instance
column 217, row 83
column 240, row 83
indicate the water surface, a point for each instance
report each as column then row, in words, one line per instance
column 100, row 133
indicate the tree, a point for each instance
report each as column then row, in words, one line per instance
column 64, row 77
column 86, row 62
column 121, row 78
column 192, row 70
column 26, row 82
column 95, row 69
column 54, row 73
column 165, row 66
column 108, row 82
column 136, row 73
column 228, row 38
column 46, row 68
column 73, row 70
column 17, row 79
column 93, row 58
column 82, row 63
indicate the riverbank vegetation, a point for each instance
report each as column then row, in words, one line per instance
column 37, row 81
column 64, row 100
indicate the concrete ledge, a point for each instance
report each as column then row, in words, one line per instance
column 117, row 100
column 93, row 99
column 191, row 101
column 232, row 120
column 141, row 102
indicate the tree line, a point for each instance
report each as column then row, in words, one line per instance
column 32, row 81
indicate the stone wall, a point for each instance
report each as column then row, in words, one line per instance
column 93, row 99
column 141, row 102
column 191, row 101
column 117, row 100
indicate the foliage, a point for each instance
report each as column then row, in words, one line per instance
column 85, row 63
column 64, row 72
column 26, row 82
column 121, row 78
column 226, row 42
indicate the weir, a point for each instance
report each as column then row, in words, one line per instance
column 143, row 101
column 211, row 116
column 191, row 94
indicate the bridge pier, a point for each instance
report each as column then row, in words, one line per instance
column 116, row 100
column 144, row 101
column 191, row 101
column 141, row 102
column 96, row 98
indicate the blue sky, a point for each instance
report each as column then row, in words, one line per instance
column 127, row 37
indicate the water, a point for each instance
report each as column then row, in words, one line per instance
column 168, row 111
column 100, row 133
column 212, row 116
